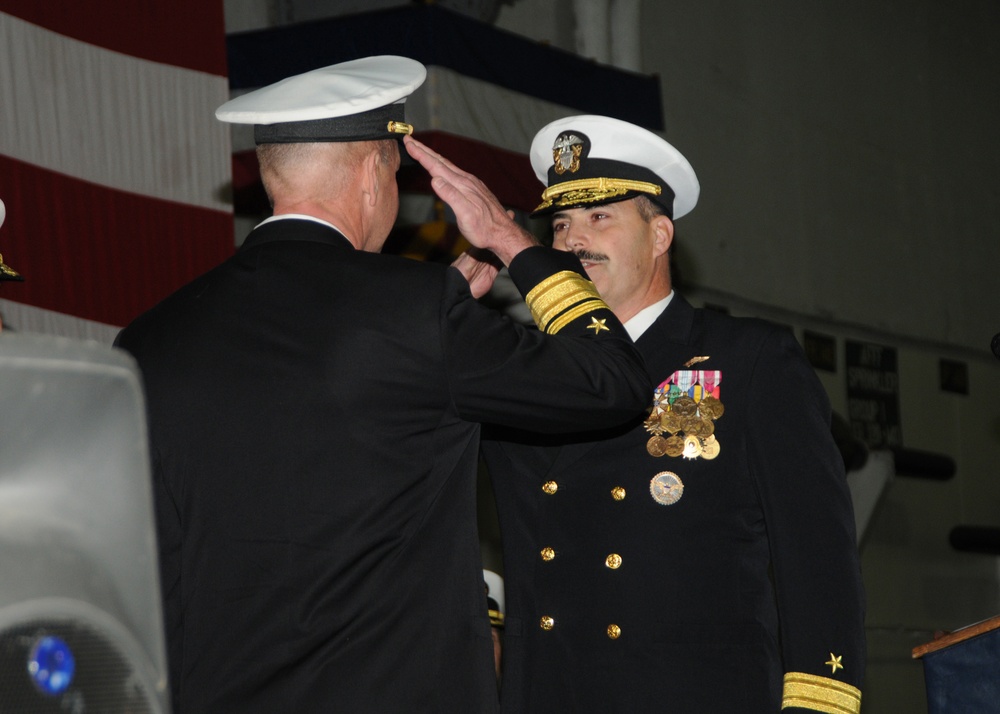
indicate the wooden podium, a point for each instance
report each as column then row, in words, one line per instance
column 962, row 670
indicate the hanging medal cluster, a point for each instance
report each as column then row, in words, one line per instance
column 682, row 420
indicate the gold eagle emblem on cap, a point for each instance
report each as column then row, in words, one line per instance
column 566, row 153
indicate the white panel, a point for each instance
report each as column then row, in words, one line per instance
column 21, row 318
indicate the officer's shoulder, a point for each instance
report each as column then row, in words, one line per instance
column 403, row 266
column 406, row 275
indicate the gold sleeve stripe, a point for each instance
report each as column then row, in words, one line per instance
column 571, row 300
column 558, row 293
column 821, row 694
column 545, row 298
column 578, row 311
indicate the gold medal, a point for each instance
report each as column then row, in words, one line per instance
column 691, row 425
column 670, row 422
column 666, row 488
column 692, row 447
column 656, row 446
column 711, row 407
column 685, row 406
column 653, row 425
column 674, row 446
column 710, row 448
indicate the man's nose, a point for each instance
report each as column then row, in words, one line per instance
column 572, row 238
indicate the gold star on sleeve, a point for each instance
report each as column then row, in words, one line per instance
column 598, row 325
column 834, row 663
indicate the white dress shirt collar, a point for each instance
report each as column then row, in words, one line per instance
column 641, row 321
column 301, row 217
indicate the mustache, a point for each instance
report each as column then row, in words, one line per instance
column 587, row 255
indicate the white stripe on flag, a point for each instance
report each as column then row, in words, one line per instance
column 112, row 119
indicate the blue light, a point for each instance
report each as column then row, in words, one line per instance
column 51, row 665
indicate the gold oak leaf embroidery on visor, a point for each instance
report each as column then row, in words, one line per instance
column 592, row 190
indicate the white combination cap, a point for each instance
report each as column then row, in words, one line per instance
column 359, row 100
column 589, row 160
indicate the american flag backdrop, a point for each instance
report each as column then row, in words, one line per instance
column 115, row 173
column 120, row 183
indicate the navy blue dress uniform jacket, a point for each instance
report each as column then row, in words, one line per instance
column 745, row 587
column 313, row 419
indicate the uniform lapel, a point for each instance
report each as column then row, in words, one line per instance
column 671, row 341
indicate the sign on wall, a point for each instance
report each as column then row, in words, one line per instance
column 873, row 394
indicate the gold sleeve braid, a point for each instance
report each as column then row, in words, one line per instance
column 561, row 298
column 821, row 694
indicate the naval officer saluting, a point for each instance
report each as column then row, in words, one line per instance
column 314, row 412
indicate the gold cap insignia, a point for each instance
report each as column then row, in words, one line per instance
column 567, row 152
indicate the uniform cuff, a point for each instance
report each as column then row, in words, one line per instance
column 820, row 694
column 554, row 288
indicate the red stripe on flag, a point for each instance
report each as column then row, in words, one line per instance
column 97, row 253
column 182, row 33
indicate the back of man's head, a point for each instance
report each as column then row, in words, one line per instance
column 312, row 172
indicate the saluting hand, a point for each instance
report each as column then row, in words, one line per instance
column 481, row 218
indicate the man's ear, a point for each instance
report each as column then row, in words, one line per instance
column 370, row 177
column 663, row 232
